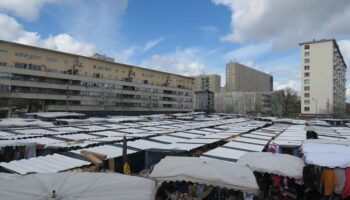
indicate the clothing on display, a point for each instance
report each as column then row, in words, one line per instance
column 346, row 190
column 329, row 181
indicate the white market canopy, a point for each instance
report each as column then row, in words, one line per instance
column 78, row 186
column 327, row 153
column 280, row 164
column 44, row 164
column 206, row 171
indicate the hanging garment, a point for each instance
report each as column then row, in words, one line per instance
column 329, row 181
column 30, row 151
column 346, row 190
column 276, row 180
column 126, row 169
column 312, row 194
column 247, row 196
column 295, row 151
column 273, row 148
column 308, row 176
column 340, row 175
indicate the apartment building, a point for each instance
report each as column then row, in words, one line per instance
column 38, row 79
column 207, row 83
column 254, row 103
column 323, row 82
column 241, row 78
column 204, row 101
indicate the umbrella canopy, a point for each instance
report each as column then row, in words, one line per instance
column 5, row 177
column 206, row 171
column 280, row 164
column 78, row 186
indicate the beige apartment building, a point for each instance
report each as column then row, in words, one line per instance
column 241, row 78
column 40, row 79
column 323, row 82
column 207, row 83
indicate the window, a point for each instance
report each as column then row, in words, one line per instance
column 52, row 60
column 307, row 67
column 306, row 74
column 3, row 52
column 28, row 56
column 21, row 65
column 34, row 57
column 306, row 108
column 307, row 88
column 34, row 67
column 307, row 81
column 306, row 94
column 3, row 64
column 306, row 46
column 306, row 60
column 307, row 102
column 98, row 67
column 306, row 53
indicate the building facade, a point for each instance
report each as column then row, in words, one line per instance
column 254, row 103
column 39, row 79
column 204, row 101
column 207, row 83
column 240, row 78
column 323, row 82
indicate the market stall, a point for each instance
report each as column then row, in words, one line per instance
column 279, row 164
column 206, row 171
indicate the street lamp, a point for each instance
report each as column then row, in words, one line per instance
column 316, row 103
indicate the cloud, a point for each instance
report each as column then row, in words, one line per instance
column 152, row 43
column 61, row 42
column 182, row 61
column 66, row 43
column 293, row 84
column 126, row 55
column 209, row 29
column 28, row 10
column 286, row 22
column 96, row 21
column 344, row 46
column 248, row 52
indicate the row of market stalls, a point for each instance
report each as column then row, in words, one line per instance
column 210, row 173
column 147, row 141
column 64, row 147
column 215, row 156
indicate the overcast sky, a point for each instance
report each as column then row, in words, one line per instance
column 188, row 37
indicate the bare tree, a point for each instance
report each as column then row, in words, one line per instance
column 277, row 103
column 291, row 106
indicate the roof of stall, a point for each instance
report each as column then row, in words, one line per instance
column 222, row 153
column 44, row 164
column 109, row 150
column 56, row 114
column 205, row 171
column 21, row 122
column 336, row 152
column 274, row 163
